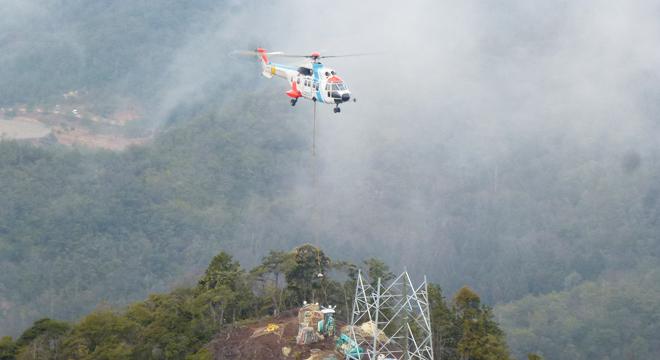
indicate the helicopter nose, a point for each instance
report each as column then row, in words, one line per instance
column 345, row 97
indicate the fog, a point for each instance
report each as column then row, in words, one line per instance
column 482, row 131
column 457, row 94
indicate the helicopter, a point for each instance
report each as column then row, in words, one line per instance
column 311, row 80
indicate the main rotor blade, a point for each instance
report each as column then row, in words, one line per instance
column 244, row 52
column 294, row 56
column 349, row 55
column 282, row 54
column 253, row 53
column 328, row 56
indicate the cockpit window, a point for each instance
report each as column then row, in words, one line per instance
column 339, row 86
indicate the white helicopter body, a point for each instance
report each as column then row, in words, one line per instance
column 312, row 80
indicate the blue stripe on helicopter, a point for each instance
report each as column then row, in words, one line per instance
column 316, row 67
column 316, row 77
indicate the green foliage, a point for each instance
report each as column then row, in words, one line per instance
column 546, row 212
column 481, row 337
column 306, row 277
column 466, row 329
column 378, row 269
column 44, row 327
column 278, row 263
column 43, row 340
column 446, row 329
column 203, row 354
column 7, row 348
column 269, row 274
column 542, row 216
column 224, row 288
column 222, row 272
column 168, row 326
column 111, row 50
column 466, row 300
column 74, row 224
column 178, row 325
column 104, row 334
column 171, row 326
column 615, row 318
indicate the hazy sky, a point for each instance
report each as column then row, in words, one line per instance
column 468, row 69
column 460, row 87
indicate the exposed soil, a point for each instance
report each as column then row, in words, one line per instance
column 22, row 128
column 86, row 138
column 69, row 125
column 254, row 342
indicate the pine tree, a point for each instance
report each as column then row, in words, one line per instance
column 447, row 331
column 481, row 339
column 306, row 278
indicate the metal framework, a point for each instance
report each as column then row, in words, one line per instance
column 398, row 323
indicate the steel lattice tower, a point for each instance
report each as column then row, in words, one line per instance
column 398, row 317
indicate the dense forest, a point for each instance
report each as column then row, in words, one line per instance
column 79, row 228
column 530, row 174
column 115, row 52
column 579, row 322
column 179, row 324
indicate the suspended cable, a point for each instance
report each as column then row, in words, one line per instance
column 314, row 133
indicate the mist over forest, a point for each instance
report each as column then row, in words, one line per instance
column 510, row 146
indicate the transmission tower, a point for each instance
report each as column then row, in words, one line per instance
column 391, row 322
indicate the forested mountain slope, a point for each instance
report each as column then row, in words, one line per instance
column 82, row 227
column 117, row 51
column 525, row 166
column 236, row 307
column 78, row 228
column 617, row 318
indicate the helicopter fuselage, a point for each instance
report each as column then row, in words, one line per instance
column 311, row 80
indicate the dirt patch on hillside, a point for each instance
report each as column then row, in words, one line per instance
column 255, row 342
column 22, row 128
column 72, row 125
column 86, row 138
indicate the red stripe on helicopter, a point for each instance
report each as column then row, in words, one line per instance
column 294, row 92
column 335, row 79
column 263, row 55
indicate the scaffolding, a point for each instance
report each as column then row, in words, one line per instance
column 391, row 322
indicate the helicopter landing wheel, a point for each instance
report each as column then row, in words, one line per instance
column 337, row 110
column 293, row 102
